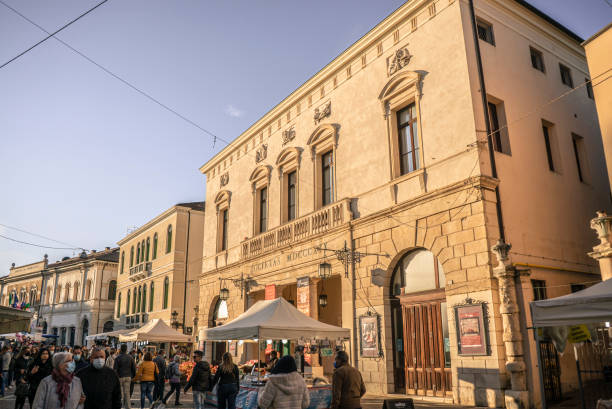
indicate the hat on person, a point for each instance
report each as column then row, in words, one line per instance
column 284, row 365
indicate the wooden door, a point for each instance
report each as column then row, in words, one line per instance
column 426, row 371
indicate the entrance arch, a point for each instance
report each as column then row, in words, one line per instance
column 421, row 343
column 218, row 316
column 84, row 331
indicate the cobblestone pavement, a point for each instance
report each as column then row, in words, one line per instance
column 371, row 402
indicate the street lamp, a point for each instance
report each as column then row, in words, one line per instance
column 174, row 320
column 324, row 270
column 224, row 294
column 323, row 300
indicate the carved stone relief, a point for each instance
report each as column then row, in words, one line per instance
column 261, row 153
column 288, row 135
column 397, row 61
column 322, row 112
column 224, row 179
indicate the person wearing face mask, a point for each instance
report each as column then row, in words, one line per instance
column 347, row 384
column 79, row 360
column 39, row 369
column 100, row 383
column 61, row 389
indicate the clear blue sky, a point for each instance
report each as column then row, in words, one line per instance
column 83, row 157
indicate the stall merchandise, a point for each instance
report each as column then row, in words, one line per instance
column 106, row 335
column 591, row 305
column 320, row 397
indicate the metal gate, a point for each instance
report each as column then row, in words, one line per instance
column 551, row 371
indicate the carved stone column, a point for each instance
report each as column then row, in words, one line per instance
column 517, row 397
column 602, row 224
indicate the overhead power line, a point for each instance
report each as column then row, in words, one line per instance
column 37, row 235
column 41, row 246
column 50, row 34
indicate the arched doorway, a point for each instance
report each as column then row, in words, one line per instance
column 421, row 344
column 219, row 316
column 108, row 326
column 84, row 331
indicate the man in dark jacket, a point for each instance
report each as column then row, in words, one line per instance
column 200, row 379
column 100, row 384
column 160, row 361
column 79, row 361
column 347, row 384
column 125, row 367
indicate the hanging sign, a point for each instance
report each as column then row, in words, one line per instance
column 578, row 333
column 270, row 292
column 303, row 295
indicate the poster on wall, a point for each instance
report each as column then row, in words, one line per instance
column 270, row 292
column 303, row 295
column 369, row 336
column 471, row 330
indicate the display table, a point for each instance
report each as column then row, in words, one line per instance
column 320, row 397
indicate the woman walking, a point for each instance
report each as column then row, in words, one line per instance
column 174, row 378
column 61, row 389
column 39, row 369
column 285, row 388
column 21, row 381
column 229, row 382
column 146, row 373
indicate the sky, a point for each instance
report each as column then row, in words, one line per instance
column 84, row 157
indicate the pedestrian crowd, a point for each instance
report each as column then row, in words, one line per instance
column 103, row 378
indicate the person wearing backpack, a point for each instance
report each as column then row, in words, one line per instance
column 174, row 378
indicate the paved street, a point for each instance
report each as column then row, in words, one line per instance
column 372, row 402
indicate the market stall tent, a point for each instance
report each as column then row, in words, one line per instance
column 274, row 319
column 104, row 335
column 593, row 304
column 155, row 330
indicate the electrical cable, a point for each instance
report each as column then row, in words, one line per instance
column 41, row 246
column 50, row 34
column 37, row 235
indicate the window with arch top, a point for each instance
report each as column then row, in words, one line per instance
column 119, row 305
column 323, row 142
column 138, row 253
column 142, row 253
column 417, row 271
column 127, row 304
column 148, row 249
column 112, row 289
column 288, row 164
column 132, row 256
column 166, row 292
column 154, row 246
column 122, row 261
column 169, row 239
column 151, row 294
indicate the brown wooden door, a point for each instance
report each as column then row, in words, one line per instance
column 426, row 373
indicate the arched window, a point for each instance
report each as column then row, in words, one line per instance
column 144, row 298
column 112, row 289
column 33, row 296
column 119, row 306
column 138, row 304
column 45, row 327
column 142, row 251
column 169, row 240
column 75, row 296
column 58, row 294
column 108, row 326
column 148, row 248
column 155, row 246
column 88, row 290
column 151, row 297
column 417, row 271
column 85, row 331
column 166, row 291
column 134, row 301
column 132, row 256
column 67, row 293
column 138, row 253
column 122, row 260
column 127, row 304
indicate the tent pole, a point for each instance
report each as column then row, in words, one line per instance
column 541, row 378
column 579, row 377
column 258, row 359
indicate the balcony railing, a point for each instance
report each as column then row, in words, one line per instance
column 140, row 271
column 314, row 223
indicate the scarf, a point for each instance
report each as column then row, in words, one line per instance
column 63, row 385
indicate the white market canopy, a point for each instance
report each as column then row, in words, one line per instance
column 104, row 335
column 155, row 330
column 274, row 319
column 593, row 304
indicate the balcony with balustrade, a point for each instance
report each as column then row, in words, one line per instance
column 310, row 225
column 140, row 271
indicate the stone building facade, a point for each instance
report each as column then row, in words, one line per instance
column 71, row 298
column 382, row 158
column 158, row 268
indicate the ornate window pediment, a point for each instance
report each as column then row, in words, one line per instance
column 289, row 157
column 323, row 137
column 260, row 173
column 223, row 197
column 403, row 86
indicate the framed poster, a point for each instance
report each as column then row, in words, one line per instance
column 471, row 331
column 369, row 336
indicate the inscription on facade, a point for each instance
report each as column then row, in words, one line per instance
column 264, row 265
column 397, row 61
column 322, row 112
column 285, row 260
